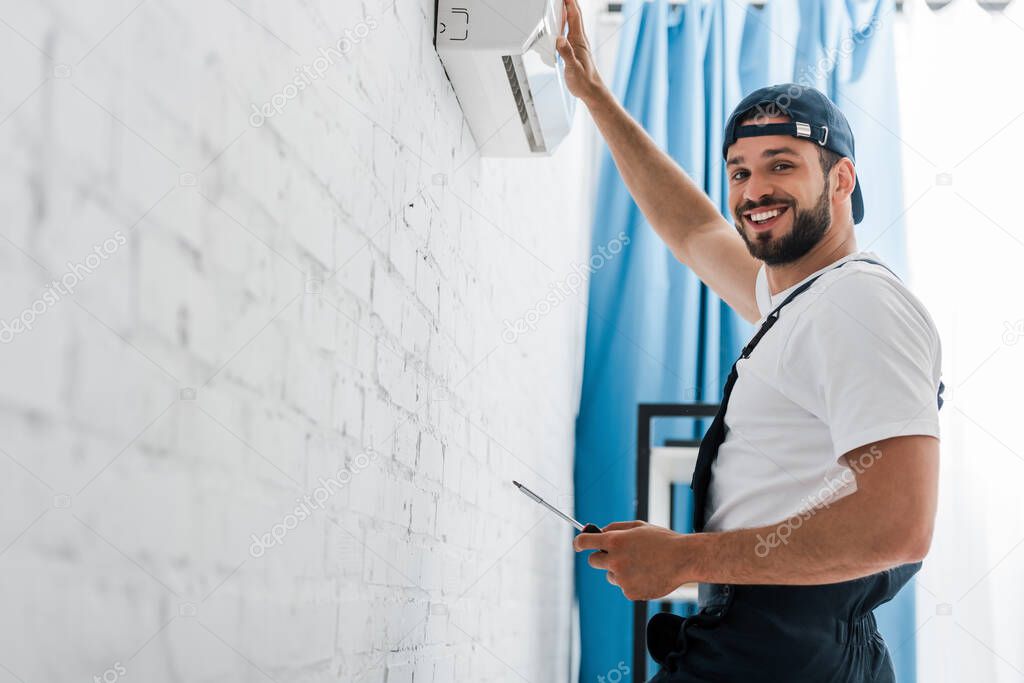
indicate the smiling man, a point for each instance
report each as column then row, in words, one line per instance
column 815, row 488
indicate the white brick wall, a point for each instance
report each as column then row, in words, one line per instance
column 287, row 297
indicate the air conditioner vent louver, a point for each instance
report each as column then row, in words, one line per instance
column 524, row 103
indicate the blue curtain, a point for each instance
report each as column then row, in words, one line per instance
column 655, row 333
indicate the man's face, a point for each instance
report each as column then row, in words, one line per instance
column 778, row 179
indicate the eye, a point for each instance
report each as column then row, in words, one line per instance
column 783, row 164
column 737, row 174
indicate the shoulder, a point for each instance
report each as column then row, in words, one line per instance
column 861, row 301
column 873, row 295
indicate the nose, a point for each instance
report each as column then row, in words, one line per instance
column 757, row 187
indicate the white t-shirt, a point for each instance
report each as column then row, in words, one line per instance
column 852, row 360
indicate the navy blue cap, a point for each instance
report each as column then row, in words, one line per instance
column 813, row 116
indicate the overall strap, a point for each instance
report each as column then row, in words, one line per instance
column 774, row 315
column 760, row 333
column 802, row 288
column 715, row 435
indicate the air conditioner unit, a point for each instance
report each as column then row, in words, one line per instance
column 501, row 59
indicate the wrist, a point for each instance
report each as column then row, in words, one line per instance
column 690, row 551
column 598, row 96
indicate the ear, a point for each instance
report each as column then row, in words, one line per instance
column 845, row 177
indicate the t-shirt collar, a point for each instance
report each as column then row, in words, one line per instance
column 766, row 301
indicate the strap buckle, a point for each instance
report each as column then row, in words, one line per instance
column 803, row 130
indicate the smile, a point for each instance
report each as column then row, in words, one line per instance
column 763, row 219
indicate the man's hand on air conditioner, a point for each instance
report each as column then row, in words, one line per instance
column 581, row 73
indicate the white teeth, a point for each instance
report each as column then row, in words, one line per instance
column 759, row 217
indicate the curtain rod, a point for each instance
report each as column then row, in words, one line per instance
column 616, row 7
column 987, row 5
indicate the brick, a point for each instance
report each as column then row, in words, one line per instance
column 430, row 461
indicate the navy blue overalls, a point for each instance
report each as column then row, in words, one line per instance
column 744, row 633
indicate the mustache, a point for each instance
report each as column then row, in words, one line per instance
column 740, row 210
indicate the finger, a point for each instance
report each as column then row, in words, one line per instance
column 573, row 16
column 564, row 48
column 575, row 20
column 587, row 542
column 598, row 560
column 621, row 526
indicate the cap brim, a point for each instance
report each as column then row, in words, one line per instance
column 857, row 200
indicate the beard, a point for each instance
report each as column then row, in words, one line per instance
column 809, row 226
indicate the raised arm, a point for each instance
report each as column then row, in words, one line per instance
column 679, row 211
